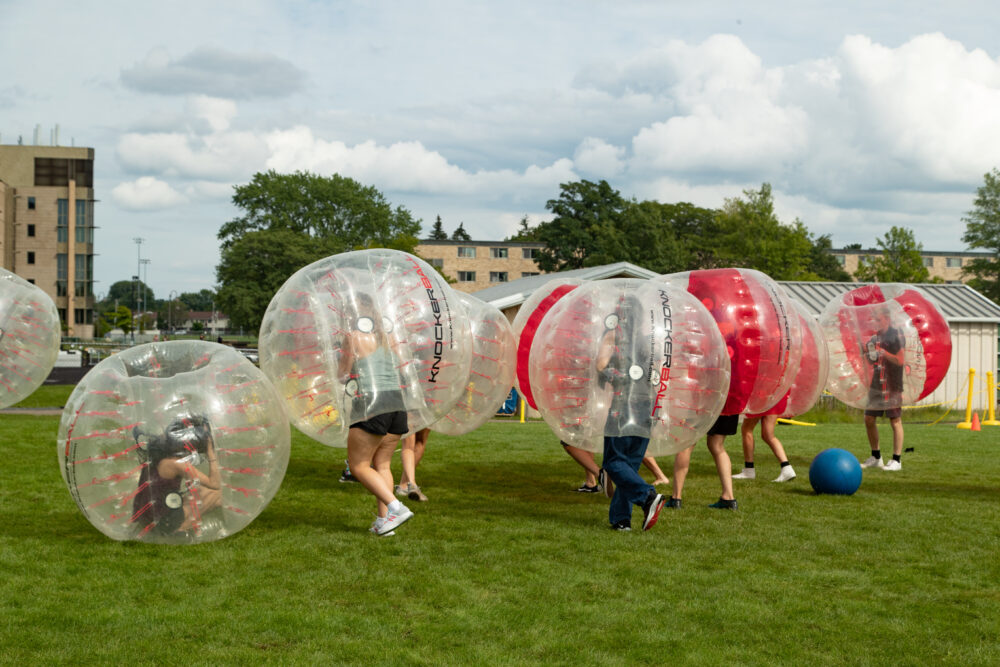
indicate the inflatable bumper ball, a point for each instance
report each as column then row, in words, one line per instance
column 29, row 338
column 814, row 367
column 761, row 332
column 173, row 442
column 491, row 369
column 361, row 334
column 889, row 346
column 629, row 358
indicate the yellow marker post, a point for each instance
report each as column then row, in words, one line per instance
column 522, row 410
column 991, row 387
column 794, row 423
column 967, row 424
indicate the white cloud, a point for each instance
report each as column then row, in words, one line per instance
column 221, row 156
column 146, row 194
column 599, row 159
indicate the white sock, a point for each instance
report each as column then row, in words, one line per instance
column 395, row 506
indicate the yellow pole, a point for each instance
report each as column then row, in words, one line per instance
column 522, row 410
column 794, row 423
column 991, row 387
column 967, row 424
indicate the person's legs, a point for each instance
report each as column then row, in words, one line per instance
column 682, row 462
column 716, row 445
column 361, row 448
column 407, row 456
column 746, row 437
column 897, row 436
column 622, row 457
column 653, row 467
column 871, row 429
column 383, row 460
column 767, row 433
column 586, row 460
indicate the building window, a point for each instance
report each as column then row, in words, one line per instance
column 498, row 253
column 62, row 221
column 841, row 259
column 467, row 252
column 928, row 261
column 466, row 276
column 31, row 280
column 31, row 229
column 529, row 253
column 31, row 203
column 31, row 257
column 84, row 221
column 83, row 316
column 436, row 263
column 953, row 262
column 498, row 276
column 528, row 274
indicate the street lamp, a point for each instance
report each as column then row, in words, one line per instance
column 170, row 310
column 145, row 277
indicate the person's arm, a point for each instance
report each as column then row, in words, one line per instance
column 184, row 467
column 606, row 350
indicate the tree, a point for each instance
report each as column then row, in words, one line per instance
column 823, row 264
column 901, row 260
column 748, row 234
column 254, row 267
column 201, row 300
column 120, row 318
column 525, row 232
column 127, row 291
column 460, row 234
column 290, row 220
column 982, row 230
column 437, row 231
column 584, row 230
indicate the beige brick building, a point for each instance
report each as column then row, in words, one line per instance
column 47, row 226
column 476, row 265
column 944, row 265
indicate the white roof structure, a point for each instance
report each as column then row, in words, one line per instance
column 958, row 302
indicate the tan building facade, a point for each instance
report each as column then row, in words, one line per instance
column 47, row 226
column 944, row 265
column 476, row 265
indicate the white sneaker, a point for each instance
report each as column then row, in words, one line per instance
column 748, row 473
column 893, row 466
column 872, row 462
column 376, row 525
column 394, row 519
column 785, row 475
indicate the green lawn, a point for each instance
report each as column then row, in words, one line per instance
column 507, row 565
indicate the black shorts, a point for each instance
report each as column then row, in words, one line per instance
column 390, row 422
column 890, row 413
column 725, row 425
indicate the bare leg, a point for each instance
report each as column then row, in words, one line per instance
column 361, row 449
column 716, row 445
column 897, row 436
column 585, row 459
column 653, row 467
column 746, row 433
column 682, row 462
column 408, row 457
column 871, row 428
column 383, row 460
column 767, row 432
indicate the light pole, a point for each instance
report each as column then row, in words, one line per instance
column 170, row 310
column 138, row 272
column 145, row 276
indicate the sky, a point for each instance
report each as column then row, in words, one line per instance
column 861, row 115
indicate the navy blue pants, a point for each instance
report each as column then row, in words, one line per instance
column 622, row 457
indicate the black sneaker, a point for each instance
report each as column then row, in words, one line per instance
column 673, row 504
column 622, row 525
column 651, row 509
column 589, row 489
column 721, row 504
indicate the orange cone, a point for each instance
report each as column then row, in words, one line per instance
column 975, row 422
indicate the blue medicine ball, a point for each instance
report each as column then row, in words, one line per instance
column 835, row 471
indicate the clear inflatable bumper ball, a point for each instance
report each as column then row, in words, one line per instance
column 29, row 338
column 365, row 333
column 629, row 358
column 174, row 442
column 889, row 346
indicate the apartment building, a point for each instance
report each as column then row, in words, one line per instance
column 47, row 226
column 476, row 265
column 944, row 265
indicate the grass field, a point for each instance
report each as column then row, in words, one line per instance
column 507, row 565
